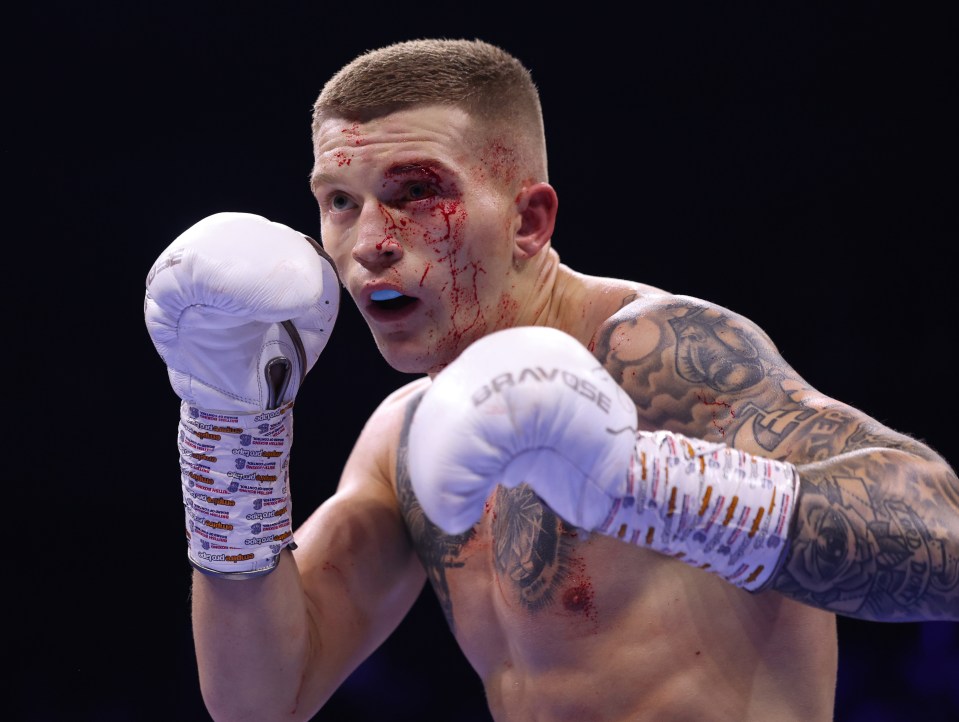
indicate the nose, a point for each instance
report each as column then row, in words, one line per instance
column 377, row 245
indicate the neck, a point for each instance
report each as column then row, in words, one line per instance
column 560, row 298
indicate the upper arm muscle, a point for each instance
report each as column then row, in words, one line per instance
column 701, row 370
column 358, row 568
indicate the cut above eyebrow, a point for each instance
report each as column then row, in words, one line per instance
column 426, row 167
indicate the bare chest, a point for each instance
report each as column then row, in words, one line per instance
column 521, row 582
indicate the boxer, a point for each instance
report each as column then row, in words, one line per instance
column 629, row 506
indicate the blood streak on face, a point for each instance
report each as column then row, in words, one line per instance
column 466, row 313
column 439, row 228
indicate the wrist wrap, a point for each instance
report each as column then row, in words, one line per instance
column 709, row 505
column 234, row 472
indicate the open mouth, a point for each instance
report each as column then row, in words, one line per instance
column 385, row 303
column 390, row 300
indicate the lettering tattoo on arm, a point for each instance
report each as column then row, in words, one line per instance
column 875, row 532
column 873, row 527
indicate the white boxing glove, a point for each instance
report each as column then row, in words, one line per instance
column 532, row 405
column 239, row 308
column 528, row 404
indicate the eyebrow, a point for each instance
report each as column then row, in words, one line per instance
column 430, row 168
column 318, row 178
column 426, row 167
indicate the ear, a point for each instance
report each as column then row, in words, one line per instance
column 537, row 210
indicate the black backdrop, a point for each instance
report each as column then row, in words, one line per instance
column 788, row 161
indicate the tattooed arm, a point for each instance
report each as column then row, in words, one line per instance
column 876, row 534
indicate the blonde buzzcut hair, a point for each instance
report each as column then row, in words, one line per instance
column 487, row 82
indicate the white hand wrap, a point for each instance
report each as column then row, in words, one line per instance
column 709, row 505
column 234, row 470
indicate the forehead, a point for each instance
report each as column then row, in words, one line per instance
column 346, row 148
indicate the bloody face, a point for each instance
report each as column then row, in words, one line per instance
column 420, row 224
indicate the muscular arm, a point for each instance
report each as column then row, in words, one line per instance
column 277, row 647
column 877, row 529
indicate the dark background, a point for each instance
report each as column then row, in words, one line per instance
column 788, row 161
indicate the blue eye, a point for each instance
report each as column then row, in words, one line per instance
column 340, row 202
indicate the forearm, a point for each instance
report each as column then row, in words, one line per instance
column 876, row 537
column 279, row 646
column 871, row 533
column 253, row 641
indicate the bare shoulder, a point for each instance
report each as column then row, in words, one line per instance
column 375, row 451
column 652, row 307
column 397, row 400
column 392, row 413
column 689, row 340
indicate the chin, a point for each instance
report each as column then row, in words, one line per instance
column 406, row 358
column 413, row 358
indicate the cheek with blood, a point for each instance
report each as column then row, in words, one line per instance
column 394, row 230
column 463, row 273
